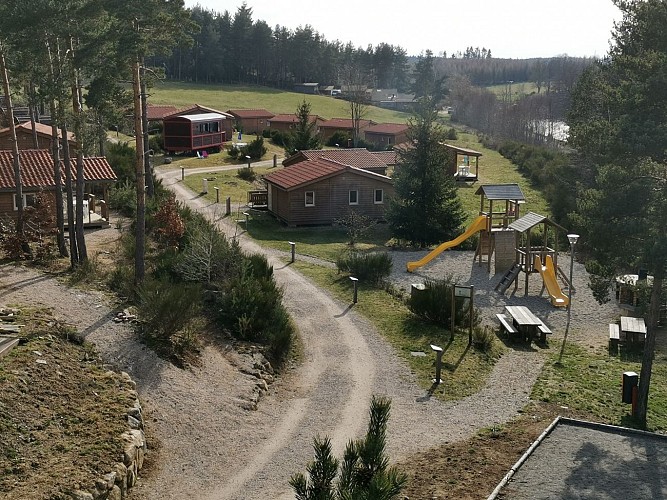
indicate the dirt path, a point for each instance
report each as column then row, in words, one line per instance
column 345, row 362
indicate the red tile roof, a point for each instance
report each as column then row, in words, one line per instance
column 304, row 173
column 154, row 113
column 250, row 113
column 355, row 157
column 386, row 157
column 344, row 123
column 284, row 118
column 387, row 128
column 308, row 172
column 40, row 128
column 37, row 169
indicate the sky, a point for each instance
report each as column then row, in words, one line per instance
column 514, row 29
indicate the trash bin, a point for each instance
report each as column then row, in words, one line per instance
column 630, row 381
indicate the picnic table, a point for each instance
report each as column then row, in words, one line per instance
column 527, row 323
column 633, row 328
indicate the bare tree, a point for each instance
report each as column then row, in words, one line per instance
column 355, row 82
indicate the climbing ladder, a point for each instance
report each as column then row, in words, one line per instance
column 484, row 246
column 508, row 278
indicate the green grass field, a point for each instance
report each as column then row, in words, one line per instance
column 277, row 101
column 519, row 89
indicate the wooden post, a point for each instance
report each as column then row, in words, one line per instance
column 228, row 205
column 470, row 310
column 217, row 194
column 453, row 309
column 182, row 173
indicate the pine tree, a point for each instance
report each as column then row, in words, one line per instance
column 426, row 208
column 304, row 135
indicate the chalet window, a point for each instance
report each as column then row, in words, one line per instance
column 310, row 198
column 354, row 197
column 379, row 197
column 29, row 200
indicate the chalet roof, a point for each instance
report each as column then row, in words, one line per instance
column 37, row 169
column 463, row 151
column 202, row 117
column 250, row 113
column 308, row 172
column 40, row 128
column 530, row 220
column 196, row 109
column 355, row 157
column 387, row 128
column 344, row 123
column 156, row 113
column 291, row 118
column 501, row 192
column 386, row 157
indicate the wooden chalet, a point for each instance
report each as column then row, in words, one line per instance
column 385, row 135
column 346, row 125
column 26, row 140
column 287, row 122
column 158, row 113
column 251, row 121
column 355, row 157
column 319, row 191
column 37, row 177
column 196, row 132
column 461, row 165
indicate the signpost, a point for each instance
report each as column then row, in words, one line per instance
column 466, row 292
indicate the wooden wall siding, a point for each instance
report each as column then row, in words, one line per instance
column 384, row 140
column 331, row 200
column 25, row 141
column 7, row 202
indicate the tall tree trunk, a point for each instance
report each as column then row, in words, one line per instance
column 140, row 235
column 649, row 345
column 150, row 191
column 78, row 135
column 67, row 161
column 15, row 145
column 57, row 177
column 34, row 114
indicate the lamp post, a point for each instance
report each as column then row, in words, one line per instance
column 572, row 238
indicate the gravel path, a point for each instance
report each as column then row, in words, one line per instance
column 211, row 447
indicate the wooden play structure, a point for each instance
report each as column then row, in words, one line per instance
column 532, row 257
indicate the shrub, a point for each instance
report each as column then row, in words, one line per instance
column 123, row 197
column 256, row 148
column 483, row 338
column 121, row 157
column 434, row 304
column 247, row 174
column 372, row 267
column 451, row 134
column 339, row 138
column 233, row 151
column 266, row 133
column 165, row 309
column 121, row 280
column 156, row 143
column 278, row 138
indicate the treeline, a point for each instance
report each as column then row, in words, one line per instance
column 237, row 49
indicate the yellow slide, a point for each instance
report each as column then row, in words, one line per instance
column 479, row 224
column 548, row 273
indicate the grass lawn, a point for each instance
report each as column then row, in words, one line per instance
column 277, row 101
column 591, row 382
column 228, row 181
column 519, row 89
column 465, row 370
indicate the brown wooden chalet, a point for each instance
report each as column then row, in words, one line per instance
column 319, row 191
column 329, row 127
column 354, row 157
column 37, row 176
column 25, row 138
column 385, row 135
column 157, row 113
column 287, row 122
column 251, row 121
column 194, row 132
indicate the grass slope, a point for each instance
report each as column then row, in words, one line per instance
column 277, row 101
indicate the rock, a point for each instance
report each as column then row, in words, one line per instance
column 135, row 412
column 110, row 479
column 81, row 495
column 115, row 493
column 262, row 386
column 134, row 423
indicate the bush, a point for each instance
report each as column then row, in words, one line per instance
column 451, row 134
column 233, row 151
column 339, row 138
column 121, row 157
column 266, row 133
column 256, row 148
column 123, row 197
column 165, row 308
column 483, row 338
column 278, row 138
column 434, row 304
column 156, row 143
column 372, row 267
column 247, row 174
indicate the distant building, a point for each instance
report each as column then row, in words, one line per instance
column 185, row 132
column 345, row 125
column 307, row 88
column 384, row 135
column 25, row 138
column 355, row 157
column 251, row 121
column 286, row 122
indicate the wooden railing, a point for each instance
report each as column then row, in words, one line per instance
column 258, row 198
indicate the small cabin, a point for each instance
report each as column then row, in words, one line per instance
column 464, row 164
column 185, row 133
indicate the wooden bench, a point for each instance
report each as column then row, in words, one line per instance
column 544, row 331
column 506, row 324
column 614, row 337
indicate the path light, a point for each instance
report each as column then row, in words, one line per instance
column 572, row 238
column 355, row 282
column 248, row 158
column 293, row 248
column 438, row 363
column 217, row 194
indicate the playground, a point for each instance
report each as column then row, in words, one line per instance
column 509, row 268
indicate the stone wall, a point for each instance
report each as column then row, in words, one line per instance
column 115, row 484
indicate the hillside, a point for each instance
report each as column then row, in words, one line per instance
column 224, row 97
